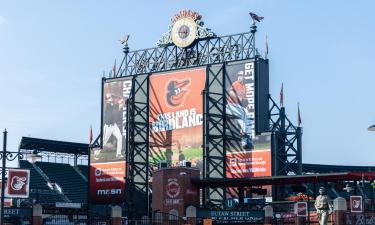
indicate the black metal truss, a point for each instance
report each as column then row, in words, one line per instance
column 214, row 132
column 202, row 52
column 137, row 147
column 286, row 143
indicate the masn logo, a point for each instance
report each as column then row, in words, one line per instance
column 109, row 192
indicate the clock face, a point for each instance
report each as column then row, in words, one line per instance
column 184, row 32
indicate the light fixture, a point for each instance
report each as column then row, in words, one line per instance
column 347, row 188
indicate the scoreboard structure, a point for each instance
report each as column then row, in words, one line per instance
column 195, row 98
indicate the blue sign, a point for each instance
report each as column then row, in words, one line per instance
column 17, row 212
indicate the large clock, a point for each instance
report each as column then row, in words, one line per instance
column 184, row 32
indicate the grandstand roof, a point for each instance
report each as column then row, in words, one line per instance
column 28, row 143
column 295, row 179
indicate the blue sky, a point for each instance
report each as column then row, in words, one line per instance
column 53, row 53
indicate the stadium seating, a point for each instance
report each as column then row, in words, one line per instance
column 39, row 191
column 37, row 181
column 84, row 169
column 73, row 185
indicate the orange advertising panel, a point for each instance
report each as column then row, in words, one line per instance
column 176, row 117
column 255, row 163
column 107, row 182
column 249, row 164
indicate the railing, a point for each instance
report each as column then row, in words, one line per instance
column 159, row 218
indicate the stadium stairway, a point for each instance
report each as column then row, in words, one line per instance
column 76, row 168
column 84, row 170
column 72, row 184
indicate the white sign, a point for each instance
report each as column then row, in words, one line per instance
column 356, row 203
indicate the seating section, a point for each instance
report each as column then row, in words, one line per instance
column 39, row 191
column 37, row 181
column 73, row 185
column 84, row 169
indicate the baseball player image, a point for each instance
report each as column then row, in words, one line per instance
column 236, row 107
column 112, row 135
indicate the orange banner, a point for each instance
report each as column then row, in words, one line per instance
column 176, row 116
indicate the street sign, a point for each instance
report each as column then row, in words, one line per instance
column 300, row 209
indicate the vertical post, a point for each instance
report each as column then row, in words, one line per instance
column 126, row 52
column 205, row 150
column 148, row 174
column 363, row 198
column 37, row 214
column 116, row 214
column 280, row 156
column 224, row 163
column 241, row 196
column 268, row 214
column 3, row 165
column 89, row 149
column 339, row 209
column 253, row 30
column 299, row 150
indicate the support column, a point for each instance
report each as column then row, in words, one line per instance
column 191, row 215
column 339, row 209
column 116, row 214
column 37, row 215
column 268, row 214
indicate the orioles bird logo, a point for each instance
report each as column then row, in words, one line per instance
column 176, row 92
column 17, row 183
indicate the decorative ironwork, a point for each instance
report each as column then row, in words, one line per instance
column 201, row 31
column 202, row 52
column 204, row 32
column 10, row 156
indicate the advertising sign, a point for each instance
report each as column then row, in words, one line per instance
column 356, row 203
column 8, row 202
column 176, row 117
column 107, row 164
column 18, row 183
column 248, row 154
column 172, row 192
column 300, row 209
column 254, row 163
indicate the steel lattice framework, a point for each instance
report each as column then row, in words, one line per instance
column 286, row 138
column 203, row 52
